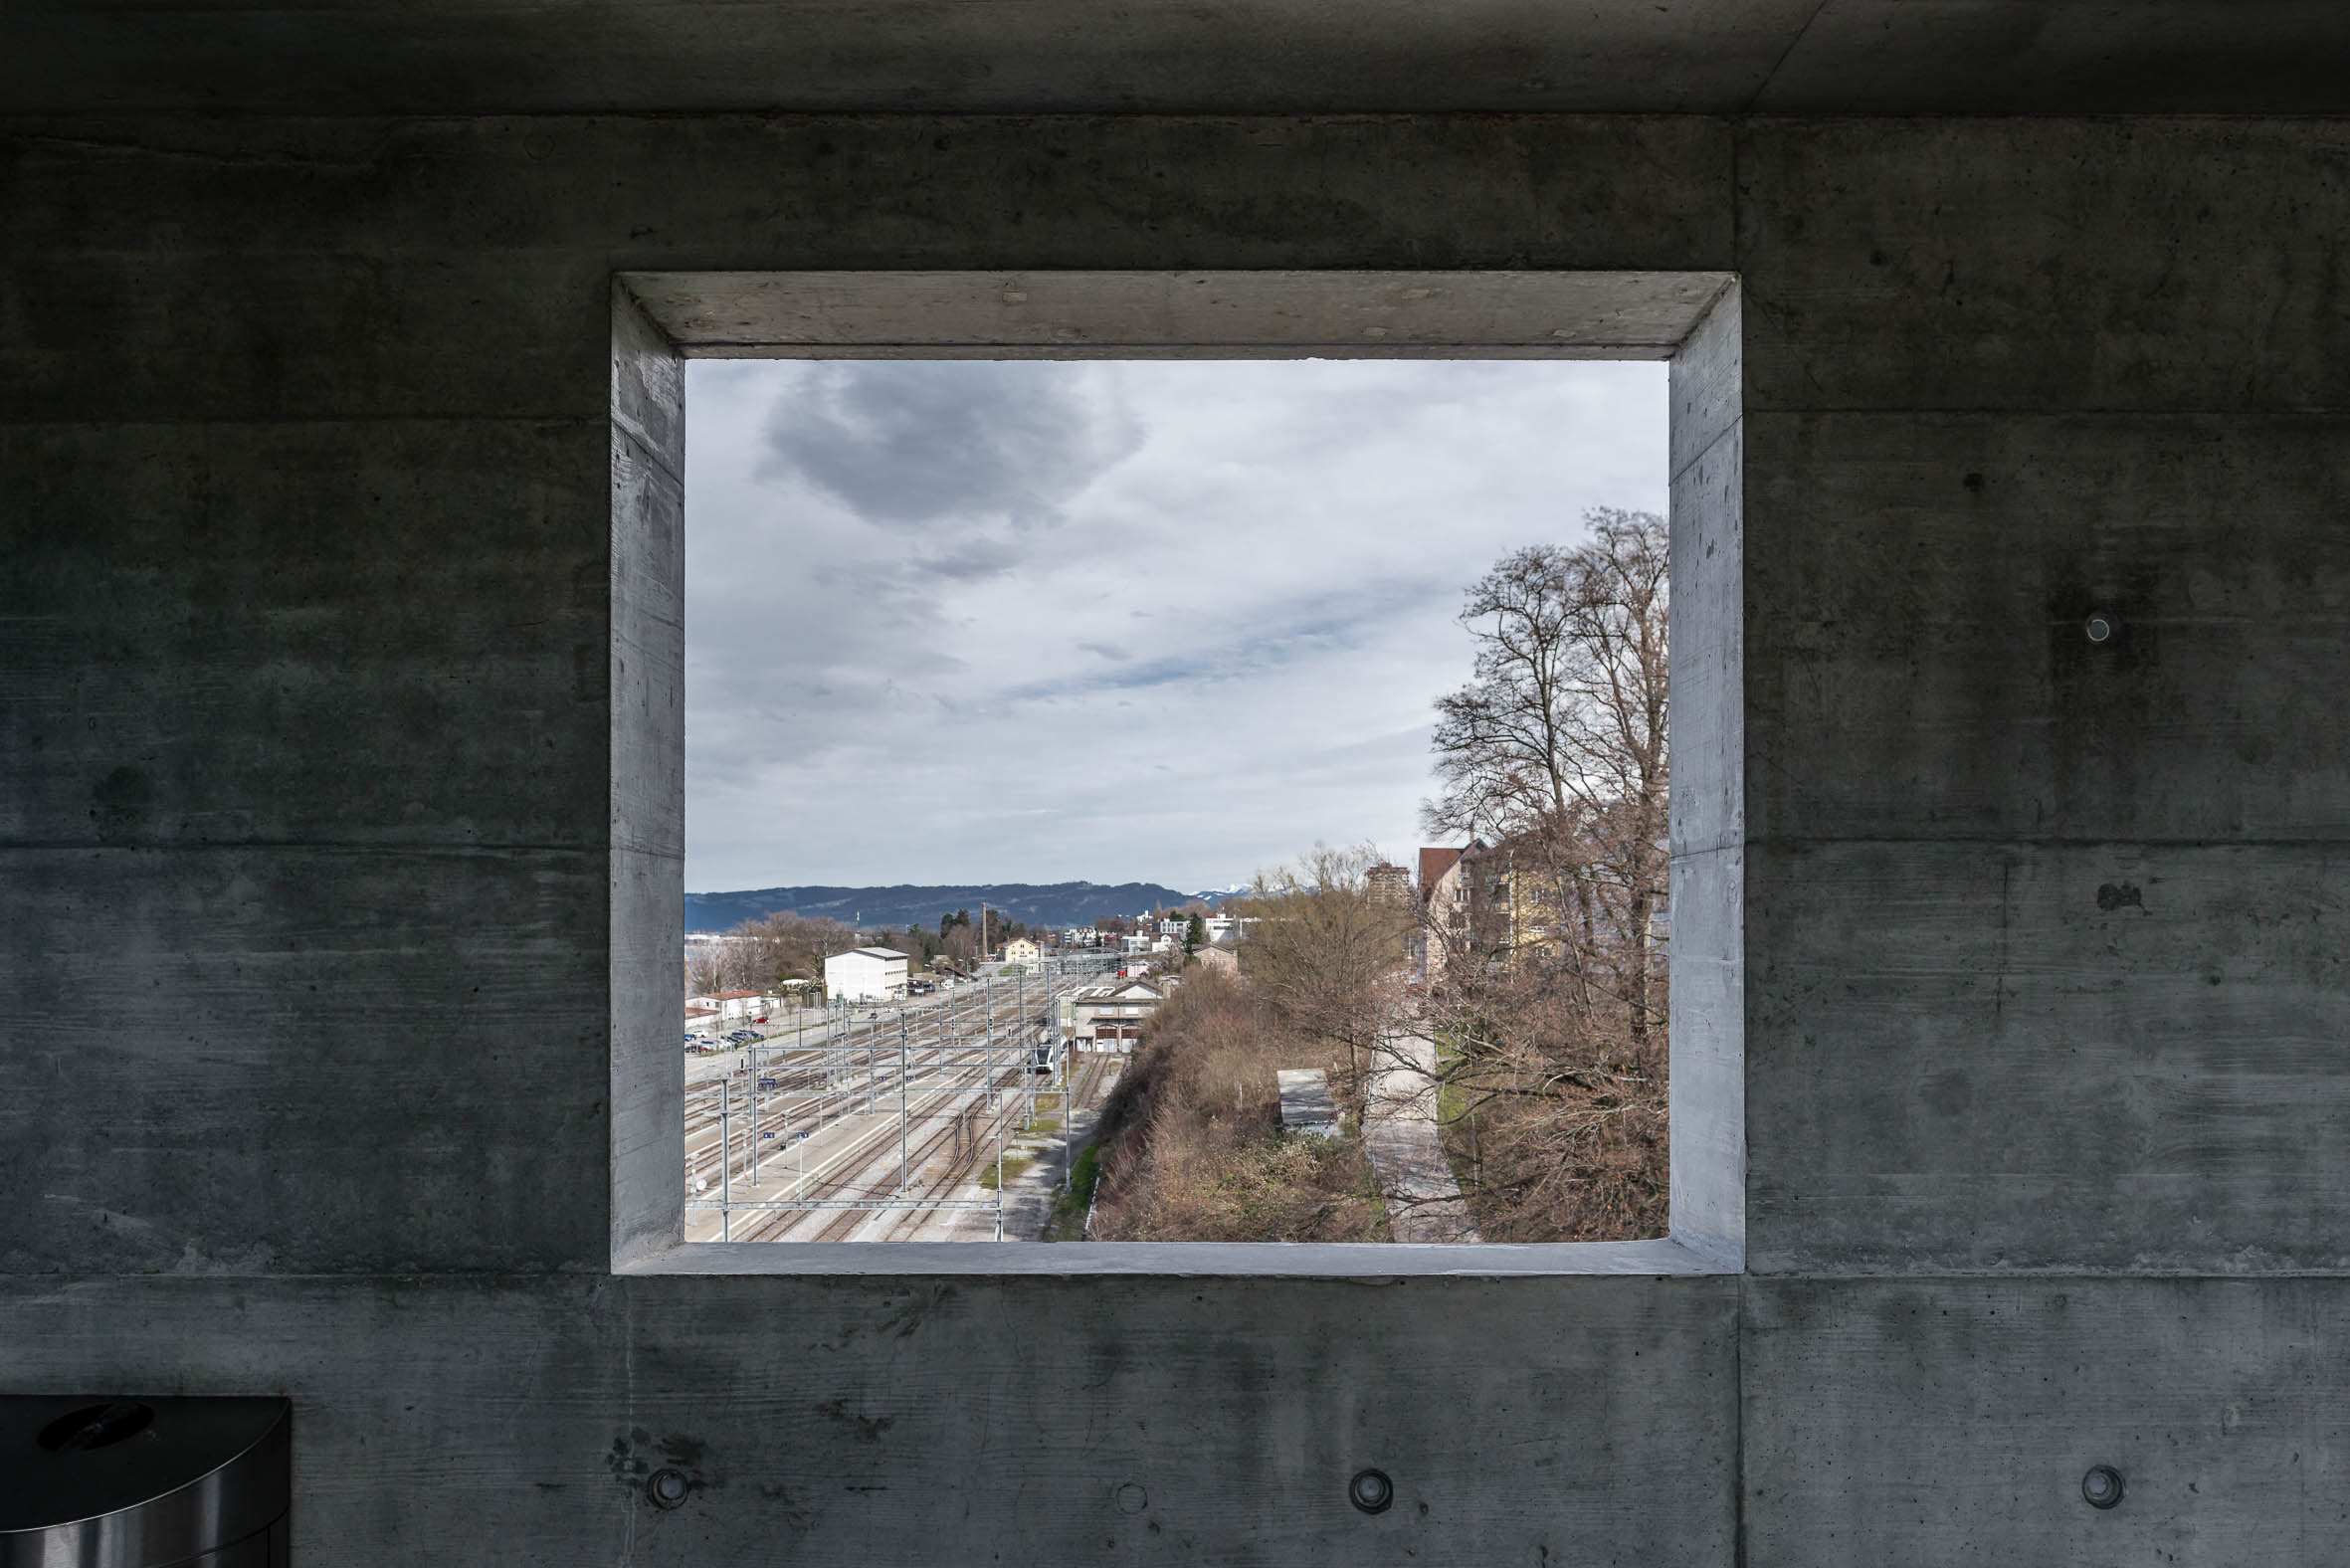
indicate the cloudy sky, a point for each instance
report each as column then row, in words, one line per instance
column 1164, row 622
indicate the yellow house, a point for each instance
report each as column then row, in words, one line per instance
column 1020, row 950
column 1529, row 901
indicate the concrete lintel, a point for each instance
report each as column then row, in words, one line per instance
column 1269, row 315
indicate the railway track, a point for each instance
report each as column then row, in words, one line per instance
column 982, row 1147
column 889, row 1113
column 962, row 1168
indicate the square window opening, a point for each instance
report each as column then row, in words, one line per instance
column 990, row 475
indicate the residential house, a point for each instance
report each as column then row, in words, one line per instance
column 1526, row 900
column 1450, row 899
column 736, row 1006
column 1499, row 900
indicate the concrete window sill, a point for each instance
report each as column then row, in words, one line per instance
column 1206, row 1259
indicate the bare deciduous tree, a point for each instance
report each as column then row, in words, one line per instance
column 1556, row 753
column 758, row 956
column 1555, row 759
column 1327, row 952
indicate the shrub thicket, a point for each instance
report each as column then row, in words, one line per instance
column 1193, row 1149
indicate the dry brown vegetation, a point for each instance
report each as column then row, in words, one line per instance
column 1556, row 1112
column 1192, row 1147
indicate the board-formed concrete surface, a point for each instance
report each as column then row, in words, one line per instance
column 1245, row 56
column 950, row 1421
column 309, row 849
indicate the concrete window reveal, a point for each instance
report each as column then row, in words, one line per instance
column 661, row 319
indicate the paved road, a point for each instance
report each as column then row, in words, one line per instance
column 1424, row 1199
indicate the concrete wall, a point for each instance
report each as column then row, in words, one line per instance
column 307, row 447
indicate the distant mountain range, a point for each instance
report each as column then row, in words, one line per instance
column 1031, row 904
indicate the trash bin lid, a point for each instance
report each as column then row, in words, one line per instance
column 137, row 1482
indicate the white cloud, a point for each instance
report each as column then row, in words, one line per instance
column 1166, row 621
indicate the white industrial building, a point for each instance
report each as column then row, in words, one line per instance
column 865, row 974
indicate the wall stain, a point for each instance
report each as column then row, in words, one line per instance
column 120, row 806
column 867, row 1429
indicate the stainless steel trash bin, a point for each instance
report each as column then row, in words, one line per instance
column 145, row 1483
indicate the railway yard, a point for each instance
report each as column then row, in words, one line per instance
column 944, row 1119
